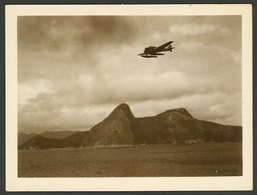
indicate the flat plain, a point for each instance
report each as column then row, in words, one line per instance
column 202, row 159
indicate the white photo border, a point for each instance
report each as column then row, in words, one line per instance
column 13, row 183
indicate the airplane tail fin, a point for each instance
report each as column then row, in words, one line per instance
column 170, row 48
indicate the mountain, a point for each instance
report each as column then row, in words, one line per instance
column 24, row 137
column 57, row 134
column 163, row 128
column 122, row 128
column 178, row 125
column 116, row 129
column 40, row 142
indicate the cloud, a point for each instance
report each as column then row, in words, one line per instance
column 216, row 107
column 37, row 120
column 199, row 29
column 83, row 118
column 73, row 71
column 55, row 33
column 32, row 89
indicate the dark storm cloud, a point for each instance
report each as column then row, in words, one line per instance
column 54, row 33
column 59, row 43
column 107, row 30
column 36, row 33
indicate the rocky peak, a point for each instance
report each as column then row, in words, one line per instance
column 123, row 110
column 185, row 112
column 179, row 113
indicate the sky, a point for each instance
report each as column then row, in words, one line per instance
column 74, row 70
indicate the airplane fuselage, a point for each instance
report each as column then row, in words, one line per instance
column 151, row 50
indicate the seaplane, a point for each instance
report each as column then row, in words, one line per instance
column 154, row 52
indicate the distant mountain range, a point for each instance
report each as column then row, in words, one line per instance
column 24, row 137
column 122, row 128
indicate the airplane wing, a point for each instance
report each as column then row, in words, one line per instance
column 158, row 49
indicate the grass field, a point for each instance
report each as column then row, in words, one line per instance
column 207, row 159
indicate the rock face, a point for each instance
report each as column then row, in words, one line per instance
column 122, row 128
column 116, row 129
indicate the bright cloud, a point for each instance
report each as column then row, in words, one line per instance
column 199, row 29
column 31, row 89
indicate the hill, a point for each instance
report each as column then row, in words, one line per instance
column 40, row 142
column 24, row 137
column 122, row 128
column 116, row 129
column 57, row 134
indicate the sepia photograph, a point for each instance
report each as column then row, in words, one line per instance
column 133, row 95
